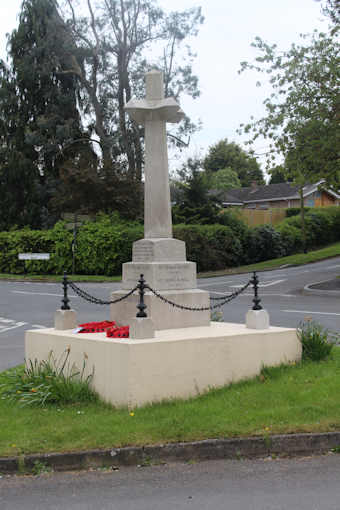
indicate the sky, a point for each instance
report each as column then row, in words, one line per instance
column 227, row 99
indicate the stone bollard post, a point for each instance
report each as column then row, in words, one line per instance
column 65, row 319
column 257, row 318
column 141, row 328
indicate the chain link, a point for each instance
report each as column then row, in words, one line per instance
column 227, row 299
column 224, row 299
column 92, row 299
column 225, row 296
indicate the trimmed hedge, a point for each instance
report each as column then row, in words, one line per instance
column 211, row 246
column 295, row 211
column 103, row 246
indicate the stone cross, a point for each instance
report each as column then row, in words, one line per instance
column 154, row 112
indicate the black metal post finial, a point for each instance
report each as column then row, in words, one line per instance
column 141, row 305
column 65, row 300
column 256, row 300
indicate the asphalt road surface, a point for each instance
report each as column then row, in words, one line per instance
column 310, row 483
column 26, row 305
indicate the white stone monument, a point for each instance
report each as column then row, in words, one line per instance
column 159, row 257
column 173, row 353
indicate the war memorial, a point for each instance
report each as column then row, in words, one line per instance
column 173, row 349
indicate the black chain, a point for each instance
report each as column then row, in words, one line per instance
column 202, row 308
column 225, row 296
column 92, row 299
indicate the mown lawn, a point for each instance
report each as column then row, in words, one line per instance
column 298, row 398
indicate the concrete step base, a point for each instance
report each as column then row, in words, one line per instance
column 176, row 363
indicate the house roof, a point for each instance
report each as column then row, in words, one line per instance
column 270, row 192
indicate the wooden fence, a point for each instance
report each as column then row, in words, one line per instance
column 255, row 217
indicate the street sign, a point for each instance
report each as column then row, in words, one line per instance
column 70, row 226
column 34, row 256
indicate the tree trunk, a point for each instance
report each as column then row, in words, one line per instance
column 303, row 223
column 123, row 86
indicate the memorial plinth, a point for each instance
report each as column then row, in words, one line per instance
column 178, row 363
column 173, row 353
column 159, row 257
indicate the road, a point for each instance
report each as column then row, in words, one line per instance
column 26, row 305
column 283, row 484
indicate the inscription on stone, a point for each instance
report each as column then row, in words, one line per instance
column 143, row 252
column 173, row 275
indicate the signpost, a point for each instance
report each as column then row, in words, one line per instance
column 74, row 222
column 32, row 256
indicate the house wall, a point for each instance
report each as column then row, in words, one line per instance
column 316, row 199
column 273, row 204
column 327, row 199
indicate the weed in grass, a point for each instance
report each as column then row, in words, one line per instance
column 40, row 467
column 316, row 340
column 238, row 455
column 49, row 381
column 21, row 464
column 216, row 316
column 267, row 438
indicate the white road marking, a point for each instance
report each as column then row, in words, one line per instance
column 6, row 321
column 17, row 325
column 333, row 267
column 215, row 284
column 248, row 294
column 39, row 326
column 309, row 312
column 269, row 284
column 41, row 293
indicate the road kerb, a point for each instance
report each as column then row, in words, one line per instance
column 209, row 449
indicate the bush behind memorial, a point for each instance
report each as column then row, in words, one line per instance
column 103, row 245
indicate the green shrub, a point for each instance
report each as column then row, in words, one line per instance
column 49, row 382
column 317, row 342
column 295, row 211
column 264, row 243
column 291, row 238
column 322, row 227
column 105, row 244
column 318, row 228
column 212, row 247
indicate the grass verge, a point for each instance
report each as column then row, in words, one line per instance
column 330, row 251
column 287, row 399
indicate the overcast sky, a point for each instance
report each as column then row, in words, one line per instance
column 227, row 99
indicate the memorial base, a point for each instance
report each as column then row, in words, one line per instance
column 163, row 315
column 178, row 363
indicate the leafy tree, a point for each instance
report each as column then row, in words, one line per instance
column 113, row 41
column 72, row 66
column 303, row 112
column 20, row 189
column 46, row 98
column 277, row 174
column 195, row 204
column 224, row 179
column 226, row 154
column 332, row 9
